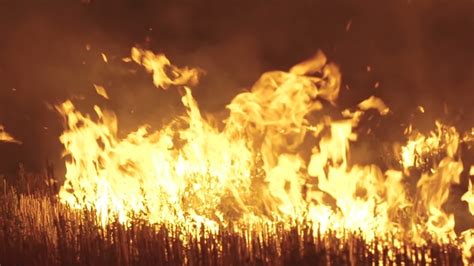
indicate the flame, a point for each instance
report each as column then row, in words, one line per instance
column 255, row 166
column 469, row 197
column 6, row 137
column 421, row 148
column 375, row 103
column 164, row 73
column 468, row 235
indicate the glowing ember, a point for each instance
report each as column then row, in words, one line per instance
column 101, row 91
column 253, row 170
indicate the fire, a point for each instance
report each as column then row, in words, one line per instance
column 101, row 91
column 421, row 148
column 253, row 168
column 6, row 137
column 164, row 73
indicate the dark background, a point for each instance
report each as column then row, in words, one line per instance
column 420, row 52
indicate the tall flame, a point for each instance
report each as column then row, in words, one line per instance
column 255, row 168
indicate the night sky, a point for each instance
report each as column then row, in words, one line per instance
column 420, row 53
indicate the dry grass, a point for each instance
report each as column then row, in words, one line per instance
column 36, row 230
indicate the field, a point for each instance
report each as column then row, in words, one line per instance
column 35, row 229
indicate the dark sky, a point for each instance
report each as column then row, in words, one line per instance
column 420, row 52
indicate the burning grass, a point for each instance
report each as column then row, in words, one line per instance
column 37, row 230
column 273, row 184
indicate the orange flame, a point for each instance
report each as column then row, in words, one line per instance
column 6, row 137
column 254, row 170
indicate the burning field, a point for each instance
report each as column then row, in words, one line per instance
column 301, row 166
column 274, row 182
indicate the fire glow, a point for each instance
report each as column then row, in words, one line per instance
column 252, row 171
column 6, row 137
